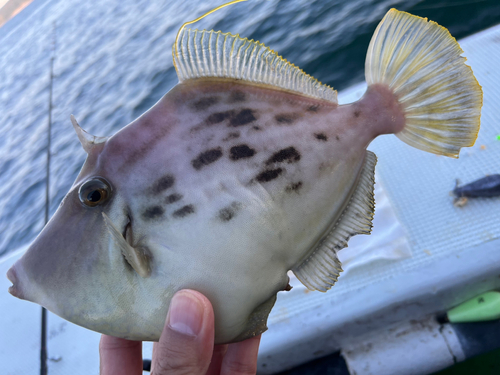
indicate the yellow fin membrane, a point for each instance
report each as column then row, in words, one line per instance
column 420, row 61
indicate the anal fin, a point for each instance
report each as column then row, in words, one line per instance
column 321, row 269
column 257, row 321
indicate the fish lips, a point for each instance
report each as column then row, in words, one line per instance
column 15, row 289
column 20, row 285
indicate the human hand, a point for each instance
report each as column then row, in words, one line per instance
column 186, row 345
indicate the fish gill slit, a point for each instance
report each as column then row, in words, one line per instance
column 125, row 229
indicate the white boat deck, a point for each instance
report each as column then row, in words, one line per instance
column 425, row 256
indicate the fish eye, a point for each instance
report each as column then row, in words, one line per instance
column 94, row 192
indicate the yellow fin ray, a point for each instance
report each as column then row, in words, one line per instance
column 204, row 54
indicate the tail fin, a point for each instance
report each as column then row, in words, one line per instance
column 420, row 61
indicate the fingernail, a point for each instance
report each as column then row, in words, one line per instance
column 186, row 314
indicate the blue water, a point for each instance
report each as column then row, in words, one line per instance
column 113, row 61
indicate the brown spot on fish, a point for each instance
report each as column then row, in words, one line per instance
column 337, row 138
column 206, row 158
column 228, row 213
column 286, row 118
column 237, row 97
column 217, row 118
column 184, row 211
column 269, row 174
column 204, row 103
column 231, row 135
column 162, row 184
column 295, row 187
column 241, row 152
column 172, row 198
column 153, row 212
column 243, row 117
column 130, row 158
column 357, row 113
column 321, row 136
column 313, row 108
column 255, row 127
column 289, row 155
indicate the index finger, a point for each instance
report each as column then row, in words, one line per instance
column 241, row 358
column 120, row 356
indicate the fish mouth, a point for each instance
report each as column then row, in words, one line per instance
column 14, row 289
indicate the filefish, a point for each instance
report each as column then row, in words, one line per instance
column 246, row 169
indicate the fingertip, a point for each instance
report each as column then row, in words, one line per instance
column 187, row 340
column 204, row 301
column 189, row 313
column 200, row 296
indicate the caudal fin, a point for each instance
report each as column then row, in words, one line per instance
column 420, row 61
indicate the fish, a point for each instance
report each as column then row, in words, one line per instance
column 246, row 169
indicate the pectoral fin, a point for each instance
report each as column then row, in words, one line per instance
column 320, row 270
column 135, row 257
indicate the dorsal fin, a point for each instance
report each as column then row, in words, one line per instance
column 87, row 140
column 199, row 54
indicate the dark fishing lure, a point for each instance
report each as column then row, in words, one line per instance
column 488, row 186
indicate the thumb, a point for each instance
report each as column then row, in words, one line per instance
column 187, row 341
